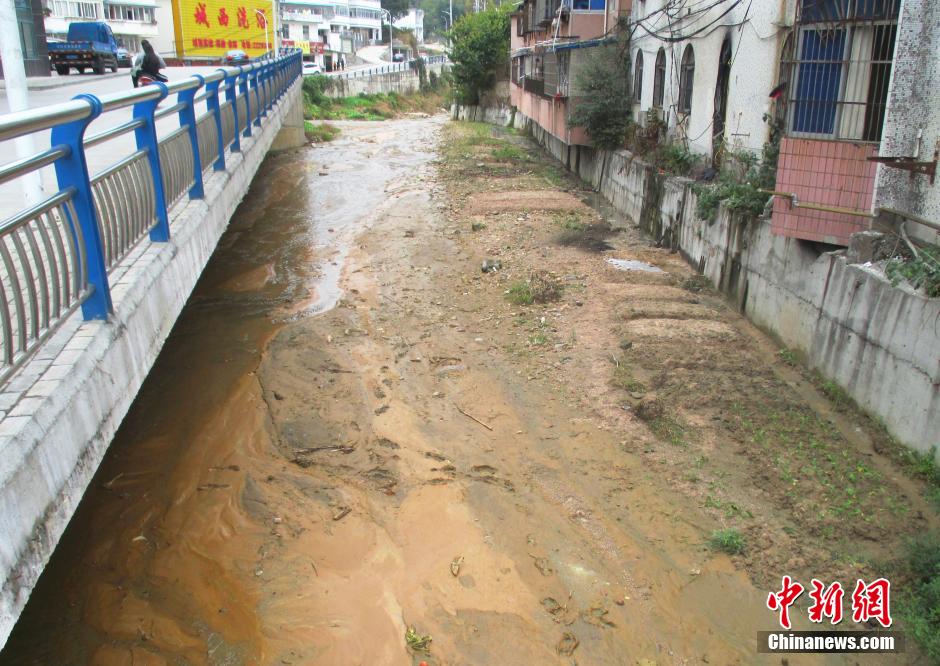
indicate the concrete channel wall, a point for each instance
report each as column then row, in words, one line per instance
column 880, row 343
column 71, row 397
column 403, row 83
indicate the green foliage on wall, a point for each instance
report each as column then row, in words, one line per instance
column 479, row 50
column 604, row 105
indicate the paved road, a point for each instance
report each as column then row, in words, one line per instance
column 99, row 157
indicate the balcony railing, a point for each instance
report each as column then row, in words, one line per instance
column 536, row 86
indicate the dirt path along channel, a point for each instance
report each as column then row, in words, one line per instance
column 358, row 448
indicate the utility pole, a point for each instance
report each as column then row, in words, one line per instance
column 263, row 17
column 277, row 25
column 448, row 23
column 14, row 74
column 391, row 36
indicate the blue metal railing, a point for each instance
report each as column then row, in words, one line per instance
column 56, row 256
column 390, row 68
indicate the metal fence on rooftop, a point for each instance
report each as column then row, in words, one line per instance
column 56, row 256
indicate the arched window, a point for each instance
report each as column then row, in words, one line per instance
column 686, row 78
column 721, row 93
column 638, row 77
column 659, row 79
column 781, row 94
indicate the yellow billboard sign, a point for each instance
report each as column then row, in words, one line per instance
column 209, row 28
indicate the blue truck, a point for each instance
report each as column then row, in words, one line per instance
column 89, row 45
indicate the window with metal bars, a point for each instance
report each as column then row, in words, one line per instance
column 686, row 79
column 659, row 79
column 638, row 77
column 840, row 68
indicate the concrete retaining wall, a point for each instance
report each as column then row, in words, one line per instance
column 64, row 407
column 403, row 83
column 880, row 343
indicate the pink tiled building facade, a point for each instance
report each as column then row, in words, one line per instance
column 832, row 174
column 550, row 41
column 835, row 75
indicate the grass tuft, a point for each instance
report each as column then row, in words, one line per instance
column 729, row 541
column 919, row 602
column 320, row 132
column 520, row 293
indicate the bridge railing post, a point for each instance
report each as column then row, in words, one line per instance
column 267, row 90
column 255, row 87
column 243, row 92
column 71, row 172
column 212, row 105
column 187, row 116
column 275, row 75
column 146, row 137
column 231, row 96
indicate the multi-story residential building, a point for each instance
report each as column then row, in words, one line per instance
column 551, row 40
column 857, row 135
column 861, row 131
column 413, row 21
column 706, row 68
column 338, row 27
column 130, row 20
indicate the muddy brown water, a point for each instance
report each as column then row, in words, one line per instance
column 328, row 452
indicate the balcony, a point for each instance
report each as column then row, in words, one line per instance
column 536, row 86
column 306, row 17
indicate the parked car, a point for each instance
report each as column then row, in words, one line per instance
column 236, row 57
column 311, row 68
column 89, row 44
column 124, row 58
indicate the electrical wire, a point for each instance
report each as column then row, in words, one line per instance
column 672, row 38
column 730, row 65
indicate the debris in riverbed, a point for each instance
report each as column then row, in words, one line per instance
column 543, row 565
column 544, row 287
column 695, row 283
column 473, row 418
column 568, row 644
column 416, row 641
column 455, row 566
column 650, row 408
column 477, row 226
column 633, row 265
column 110, row 484
column 341, row 513
column 212, row 486
column 491, row 265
